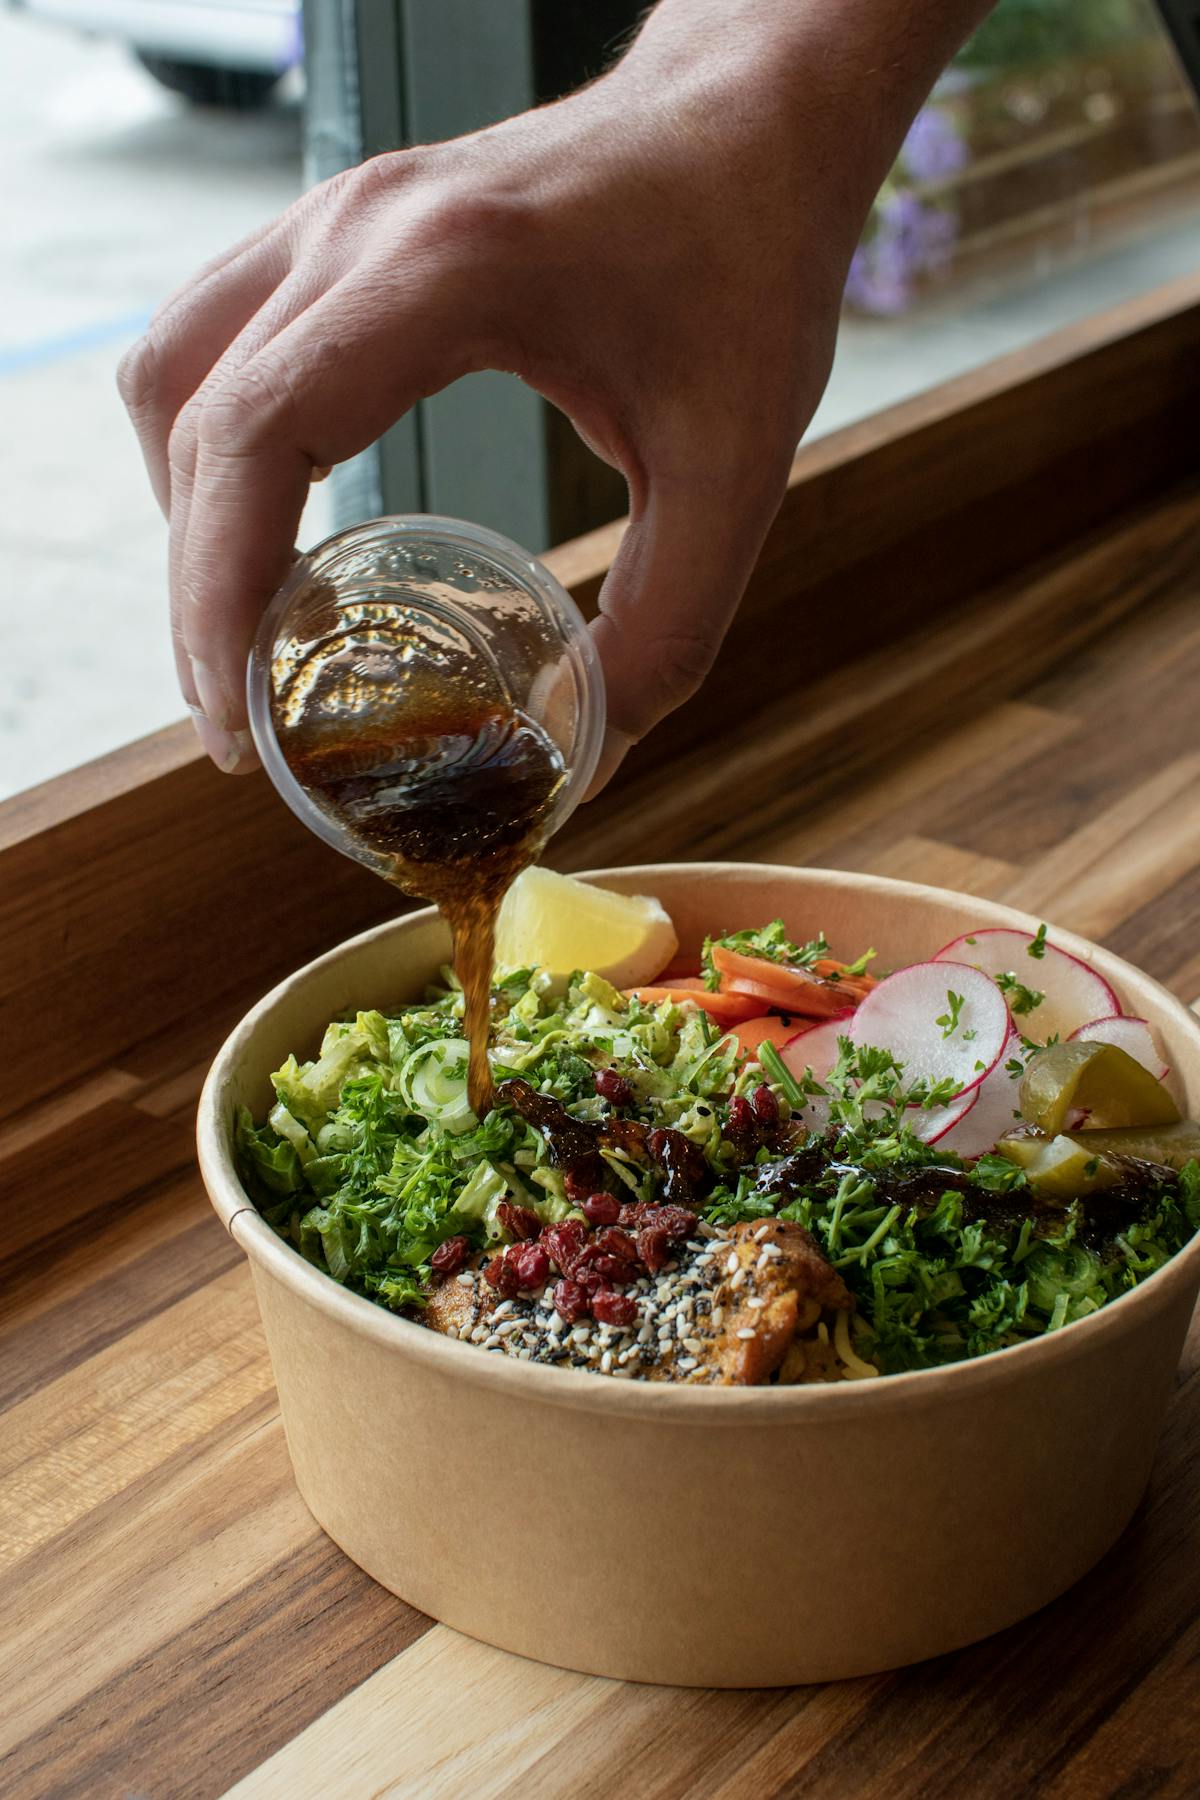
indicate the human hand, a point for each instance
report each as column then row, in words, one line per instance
column 655, row 255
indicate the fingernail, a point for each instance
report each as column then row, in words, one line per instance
column 216, row 702
column 230, row 750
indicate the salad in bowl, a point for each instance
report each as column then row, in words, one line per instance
column 776, row 1164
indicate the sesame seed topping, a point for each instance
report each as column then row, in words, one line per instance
column 679, row 1312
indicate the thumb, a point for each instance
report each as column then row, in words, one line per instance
column 670, row 596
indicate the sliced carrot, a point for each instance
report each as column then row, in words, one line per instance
column 723, row 1009
column 735, row 965
column 819, row 1001
column 859, row 986
column 805, row 991
column 764, row 1028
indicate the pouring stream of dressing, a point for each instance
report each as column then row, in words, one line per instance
column 456, row 807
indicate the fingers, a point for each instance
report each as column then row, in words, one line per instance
column 291, row 299
column 671, row 593
column 187, row 337
column 324, row 388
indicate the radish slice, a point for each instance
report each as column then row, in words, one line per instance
column 817, row 1050
column 1131, row 1035
column 994, row 1109
column 1074, row 993
column 935, row 1037
column 939, row 1123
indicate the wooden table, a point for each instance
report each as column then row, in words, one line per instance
column 971, row 656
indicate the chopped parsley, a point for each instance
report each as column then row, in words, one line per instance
column 999, row 1175
column 949, row 1019
column 1021, row 999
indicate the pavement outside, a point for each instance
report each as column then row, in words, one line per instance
column 114, row 192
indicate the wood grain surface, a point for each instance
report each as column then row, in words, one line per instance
column 172, row 1623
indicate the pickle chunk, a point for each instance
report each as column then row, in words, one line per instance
column 1022, row 1146
column 1170, row 1146
column 1060, row 1168
column 1101, row 1079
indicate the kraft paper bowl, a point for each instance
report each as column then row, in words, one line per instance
column 699, row 1536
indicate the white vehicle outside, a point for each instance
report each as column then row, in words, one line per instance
column 214, row 52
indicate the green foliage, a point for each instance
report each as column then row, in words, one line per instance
column 1022, row 33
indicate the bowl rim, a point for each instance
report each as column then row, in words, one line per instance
column 668, row 1402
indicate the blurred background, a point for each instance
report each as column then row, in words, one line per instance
column 1055, row 171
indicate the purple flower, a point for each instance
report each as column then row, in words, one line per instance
column 922, row 234
column 933, row 149
column 876, row 283
column 907, row 238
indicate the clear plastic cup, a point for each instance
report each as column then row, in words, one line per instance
column 374, row 615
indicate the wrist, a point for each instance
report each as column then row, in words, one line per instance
column 831, row 86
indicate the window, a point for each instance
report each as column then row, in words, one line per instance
column 117, row 187
column 1055, row 171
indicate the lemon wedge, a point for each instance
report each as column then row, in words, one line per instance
column 558, row 924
